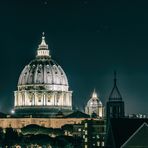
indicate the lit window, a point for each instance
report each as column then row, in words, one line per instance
column 85, row 124
column 85, row 132
column 102, row 143
column 97, row 136
column 85, row 139
column 83, row 136
column 98, row 143
column 85, row 146
column 79, row 129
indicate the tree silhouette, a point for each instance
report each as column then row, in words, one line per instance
column 11, row 137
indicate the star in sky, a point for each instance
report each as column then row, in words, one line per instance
column 45, row 2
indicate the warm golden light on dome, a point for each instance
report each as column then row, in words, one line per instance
column 94, row 105
column 94, row 95
column 43, row 48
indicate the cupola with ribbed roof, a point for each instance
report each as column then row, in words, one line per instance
column 94, row 105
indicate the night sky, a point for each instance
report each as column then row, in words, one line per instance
column 88, row 38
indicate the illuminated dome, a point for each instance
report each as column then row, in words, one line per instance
column 94, row 105
column 94, row 101
column 43, row 86
column 45, row 73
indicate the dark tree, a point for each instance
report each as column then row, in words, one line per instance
column 11, row 137
column 1, row 136
column 68, row 128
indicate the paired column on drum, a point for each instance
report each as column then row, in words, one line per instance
column 42, row 98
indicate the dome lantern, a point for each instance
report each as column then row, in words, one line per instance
column 43, row 50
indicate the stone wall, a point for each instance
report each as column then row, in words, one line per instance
column 18, row 123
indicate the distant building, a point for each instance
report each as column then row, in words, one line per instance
column 95, row 106
column 137, row 116
column 115, row 104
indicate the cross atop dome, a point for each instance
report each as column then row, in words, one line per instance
column 43, row 48
column 43, row 44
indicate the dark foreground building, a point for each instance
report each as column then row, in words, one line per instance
column 127, row 133
column 115, row 104
column 92, row 132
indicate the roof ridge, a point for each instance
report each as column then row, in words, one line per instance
column 140, row 127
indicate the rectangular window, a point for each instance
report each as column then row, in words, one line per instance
column 98, row 143
column 97, row 136
column 85, row 124
column 102, row 143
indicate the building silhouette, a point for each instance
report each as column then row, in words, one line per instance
column 115, row 104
